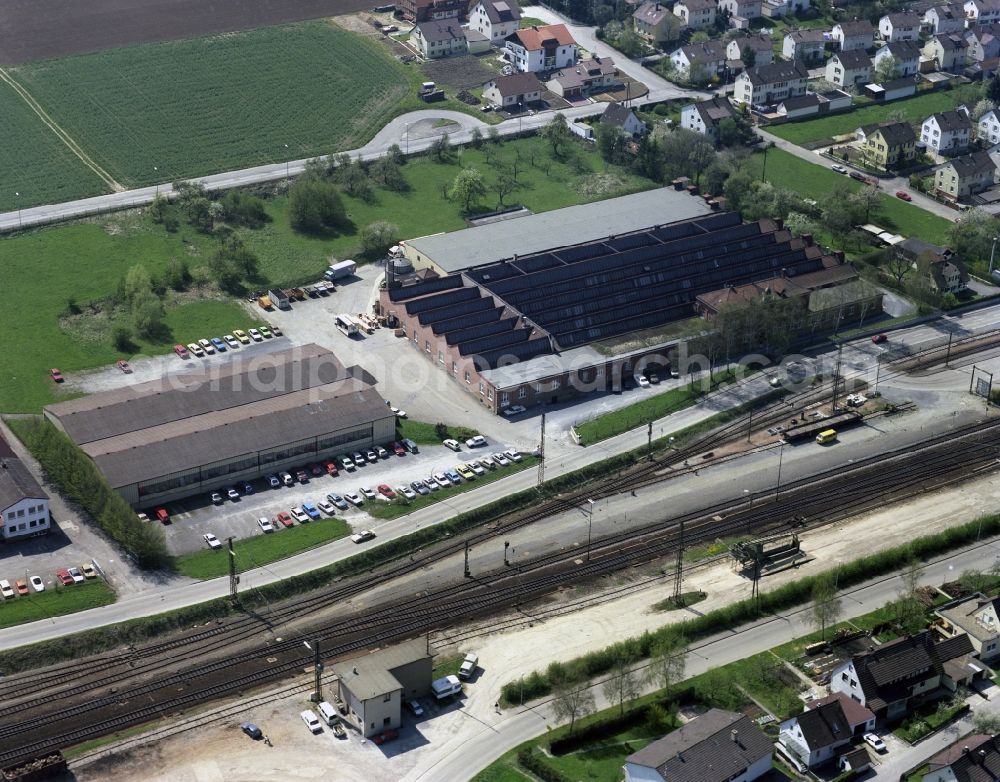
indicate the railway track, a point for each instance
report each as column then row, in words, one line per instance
column 89, row 709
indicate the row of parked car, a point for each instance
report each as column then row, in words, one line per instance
column 65, row 576
column 212, row 345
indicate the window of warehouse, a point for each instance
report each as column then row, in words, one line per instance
column 482, row 388
column 468, row 378
column 522, row 392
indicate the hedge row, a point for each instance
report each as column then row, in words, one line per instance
column 529, row 758
column 77, row 477
column 632, row 650
column 601, row 729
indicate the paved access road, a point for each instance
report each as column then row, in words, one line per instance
column 463, row 759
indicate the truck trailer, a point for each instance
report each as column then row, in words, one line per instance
column 341, row 269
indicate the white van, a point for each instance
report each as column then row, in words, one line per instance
column 446, row 687
column 328, row 713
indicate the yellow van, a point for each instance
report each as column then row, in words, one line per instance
column 826, row 436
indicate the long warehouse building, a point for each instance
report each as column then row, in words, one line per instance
column 200, row 431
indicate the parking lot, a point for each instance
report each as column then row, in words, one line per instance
column 191, row 519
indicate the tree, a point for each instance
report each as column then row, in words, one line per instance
column 121, row 338
column 982, row 107
column 476, row 138
column 993, row 89
column 441, row 431
column 886, row 70
column 315, row 206
column 986, row 723
column 667, row 663
column 493, row 136
column 898, row 266
column 868, row 198
column 735, row 131
column 749, row 57
column 243, row 208
column 909, row 611
column 799, row 224
column 441, row 149
column 177, row 274
column 622, row 684
column 377, row 238
column 826, row 607
column 158, row 208
column 716, row 175
column 388, row 173
column 557, row 133
column 505, row 183
column 148, row 315
column 610, row 143
column 841, row 213
column 700, row 37
column 570, row 704
column 686, row 152
column 353, row 178
column 395, row 154
column 971, row 236
column 467, row 188
column 137, row 282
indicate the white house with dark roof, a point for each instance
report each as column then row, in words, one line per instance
column 983, row 43
column 704, row 117
column 905, row 55
column 741, row 11
column 695, row 13
column 718, row 746
column 849, row 68
column 858, row 34
column 947, row 51
column 982, row 11
column 947, row 132
column 709, row 57
column 804, row 45
column 513, row 90
column 761, row 46
column 767, row 84
column 988, row 127
column 584, row 78
column 541, row 48
column 438, row 38
column 496, row 19
column 977, row 616
column 941, row 19
column 962, row 177
column 24, row 505
column 622, row 117
column 901, row 26
column 827, row 726
column 973, row 758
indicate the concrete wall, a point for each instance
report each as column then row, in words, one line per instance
column 415, row 677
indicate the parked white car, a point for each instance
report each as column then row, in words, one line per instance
column 469, row 665
column 212, row 541
column 476, row 442
column 874, row 742
column 312, row 721
column 453, row 444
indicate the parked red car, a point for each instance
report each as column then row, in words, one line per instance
column 902, row 194
column 64, row 577
column 386, row 491
column 331, row 469
column 317, row 469
column 56, row 375
column 122, row 364
column 387, row 735
column 182, row 351
column 162, row 515
column 398, row 449
column 285, row 519
column 880, row 338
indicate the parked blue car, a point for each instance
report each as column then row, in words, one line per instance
column 453, row 476
column 310, row 510
column 219, row 344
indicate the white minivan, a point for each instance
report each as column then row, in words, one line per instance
column 328, row 713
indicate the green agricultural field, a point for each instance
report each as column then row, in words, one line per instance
column 55, row 601
column 262, row 549
column 916, row 110
column 198, row 106
column 815, row 181
column 34, row 163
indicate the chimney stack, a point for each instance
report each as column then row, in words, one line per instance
column 733, row 734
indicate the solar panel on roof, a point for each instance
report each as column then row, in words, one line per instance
column 643, row 239
column 649, row 320
column 536, row 263
column 406, row 292
column 467, row 320
column 582, row 252
column 494, row 341
column 442, row 300
column 493, row 272
column 455, row 310
column 523, row 351
column 482, row 330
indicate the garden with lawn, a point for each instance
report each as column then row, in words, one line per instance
column 262, row 549
column 915, row 110
column 58, row 316
column 56, row 600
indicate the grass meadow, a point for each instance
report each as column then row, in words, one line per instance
column 178, row 109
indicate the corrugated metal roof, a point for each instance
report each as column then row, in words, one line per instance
column 145, row 454
column 485, row 244
column 176, row 396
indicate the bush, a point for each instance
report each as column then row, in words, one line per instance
column 75, row 474
column 602, row 728
column 529, row 758
column 315, row 206
column 242, row 208
column 121, row 338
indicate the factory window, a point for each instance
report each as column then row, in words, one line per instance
column 522, row 392
column 386, row 698
column 454, row 367
column 440, row 356
column 427, row 346
column 468, row 378
column 482, row 388
column 490, row 395
column 504, row 400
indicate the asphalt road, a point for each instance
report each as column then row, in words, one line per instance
column 463, row 760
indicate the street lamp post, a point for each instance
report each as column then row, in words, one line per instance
column 878, row 371
column 590, row 527
column 317, row 696
column 406, row 138
column 156, row 179
column 993, row 250
column 286, row 161
column 18, row 197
